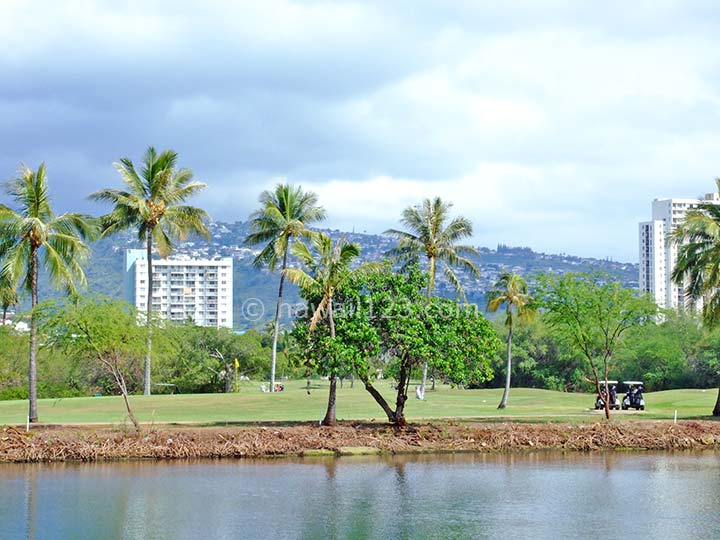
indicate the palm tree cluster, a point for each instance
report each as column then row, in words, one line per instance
column 152, row 202
column 281, row 224
column 33, row 237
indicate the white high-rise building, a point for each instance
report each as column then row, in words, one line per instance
column 658, row 255
column 184, row 289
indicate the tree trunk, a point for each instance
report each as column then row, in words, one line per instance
column 508, row 371
column 402, row 389
column 606, row 398
column 32, row 367
column 276, row 326
column 120, row 381
column 431, row 277
column 378, row 397
column 330, row 418
column 424, row 379
column 4, row 318
column 431, row 286
column 716, row 410
column 134, row 421
column 147, row 384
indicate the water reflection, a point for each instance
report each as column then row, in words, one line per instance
column 30, row 487
column 539, row 495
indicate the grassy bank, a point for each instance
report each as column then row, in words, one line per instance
column 295, row 405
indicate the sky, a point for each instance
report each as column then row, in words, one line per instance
column 550, row 124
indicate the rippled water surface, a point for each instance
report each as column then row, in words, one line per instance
column 558, row 496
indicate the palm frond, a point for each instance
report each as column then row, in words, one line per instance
column 299, row 277
column 455, row 282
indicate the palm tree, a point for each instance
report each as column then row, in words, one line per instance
column 327, row 273
column 511, row 290
column 151, row 204
column 430, row 234
column 33, row 232
column 697, row 269
column 284, row 215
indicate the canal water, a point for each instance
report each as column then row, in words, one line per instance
column 470, row 496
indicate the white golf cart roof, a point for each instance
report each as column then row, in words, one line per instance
column 609, row 382
column 634, row 382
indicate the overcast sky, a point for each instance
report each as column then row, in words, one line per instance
column 550, row 124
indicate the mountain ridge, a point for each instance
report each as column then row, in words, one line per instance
column 105, row 271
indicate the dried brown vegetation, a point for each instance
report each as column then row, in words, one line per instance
column 93, row 443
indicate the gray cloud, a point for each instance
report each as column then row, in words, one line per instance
column 545, row 122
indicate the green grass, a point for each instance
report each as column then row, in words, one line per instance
column 250, row 405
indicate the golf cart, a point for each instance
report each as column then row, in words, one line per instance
column 600, row 400
column 633, row 396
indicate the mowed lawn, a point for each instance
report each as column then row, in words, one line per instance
column 251, row 405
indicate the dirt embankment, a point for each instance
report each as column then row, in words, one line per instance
column 93, row 443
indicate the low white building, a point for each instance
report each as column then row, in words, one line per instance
column 200, row 290
column 658, row 254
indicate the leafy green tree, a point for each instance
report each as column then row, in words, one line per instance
column 430, row 234
column 592, row 313
column 13, row 364
column 706, row 363
column 328, row 270
column 512, row 291
column 661, row 354
column 284, row 215
column 697, row 269
column 33, row 232
column 204, row 359
column 540, row 360
column 386, row 315
column 98, row 330
column 151, row 204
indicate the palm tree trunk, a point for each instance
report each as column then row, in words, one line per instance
column 431, row 277
column 276, row 326
column 508, row 371
column 32, row 367
column 431, row 287
column 716, row 410
column 330, row 418
column 147, row 385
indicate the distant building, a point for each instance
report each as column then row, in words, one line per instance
column 658, row 255
column 184, row 289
